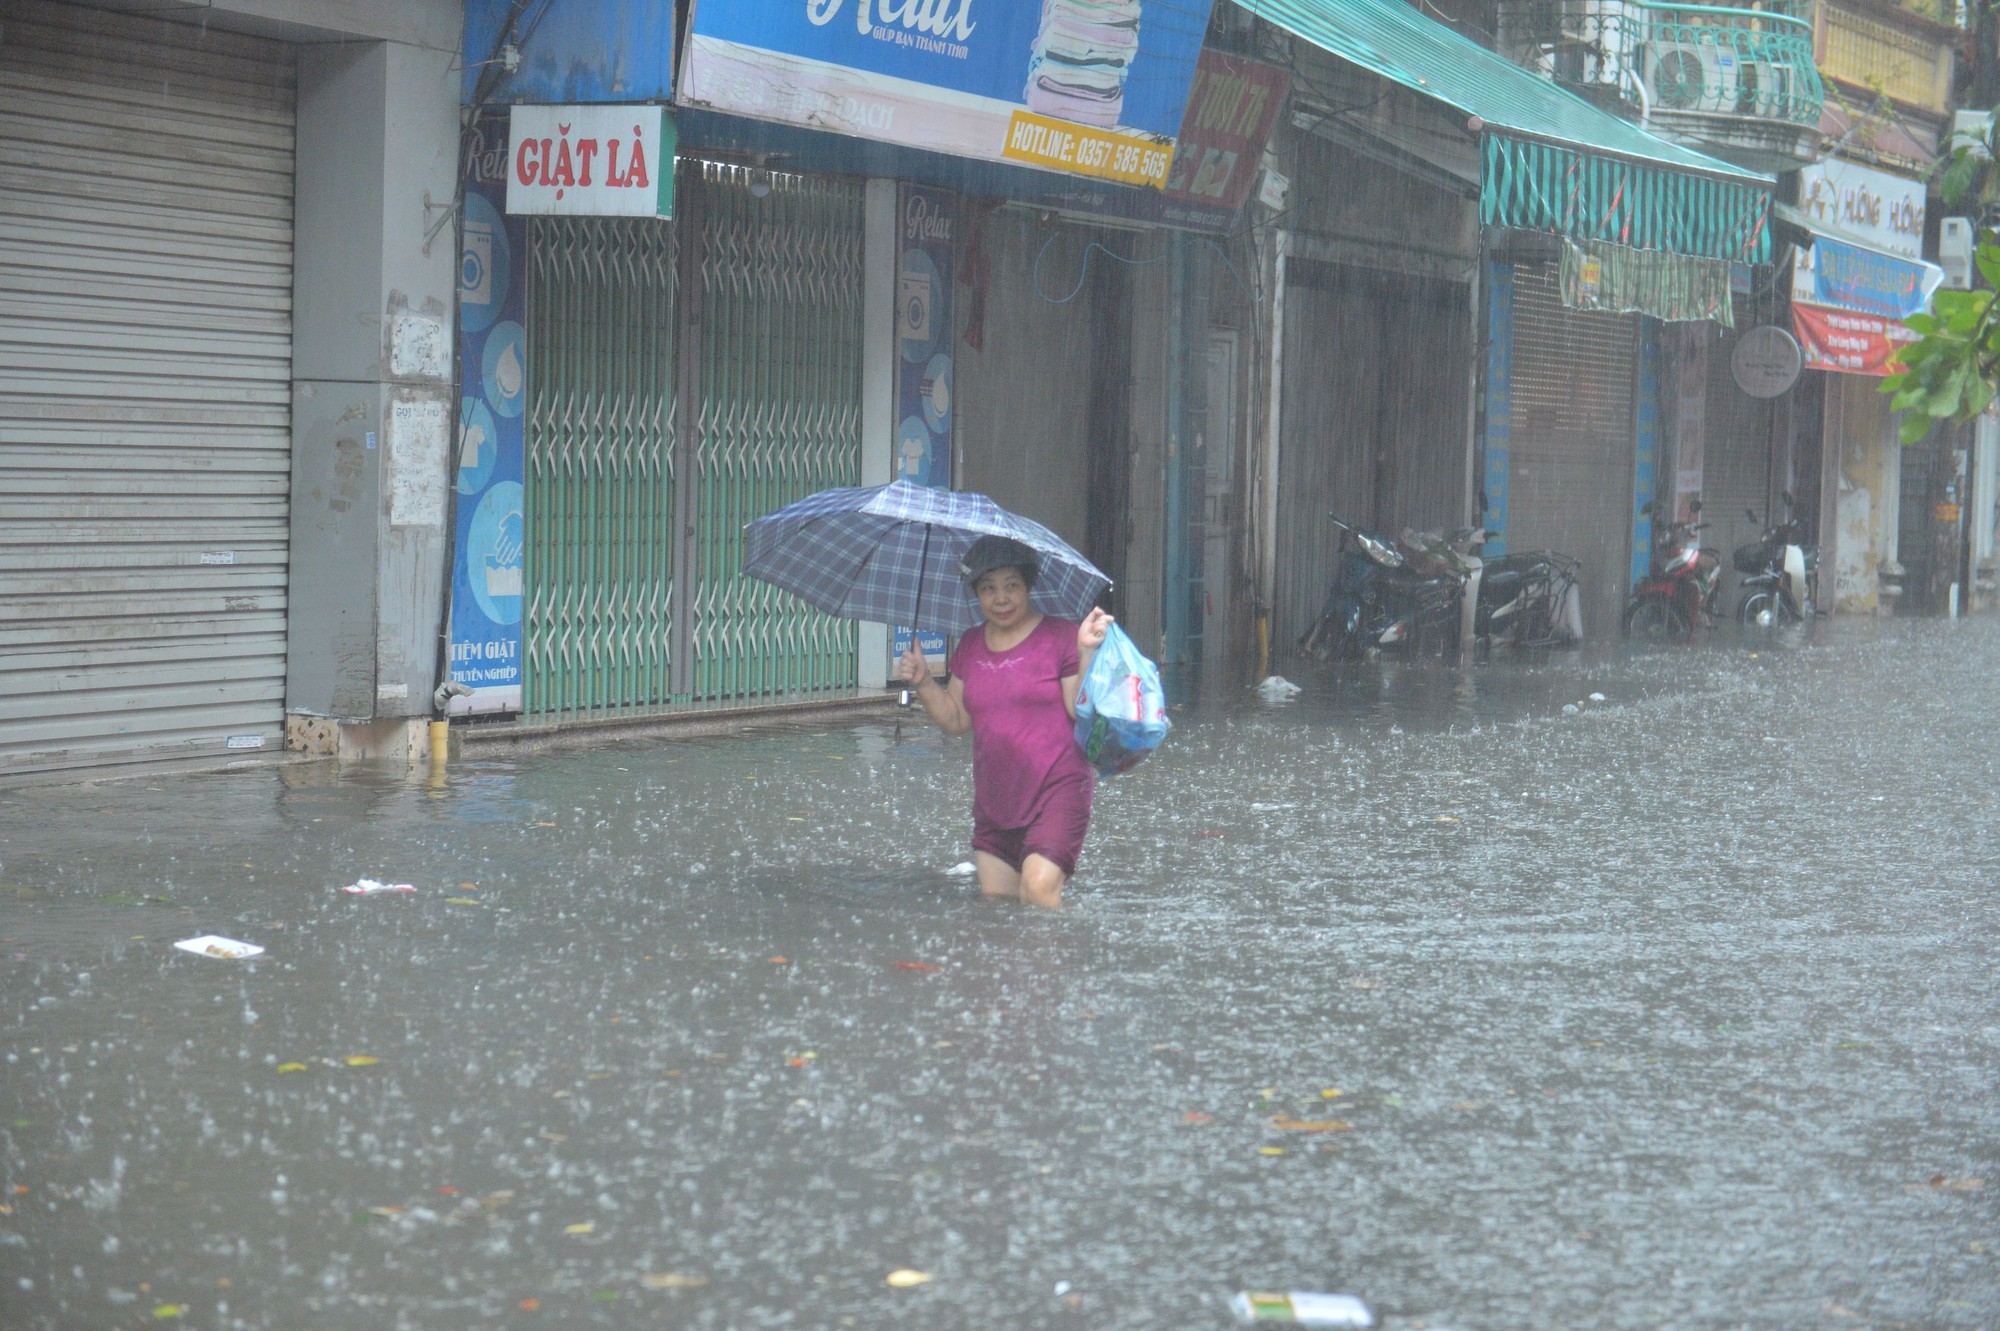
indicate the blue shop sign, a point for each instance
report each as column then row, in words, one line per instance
column 1088, row 87
column 1851, row 277
column 570, row 51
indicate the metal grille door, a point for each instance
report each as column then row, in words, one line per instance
column 1374, row 429
column 1573, row 432
column 597, row 567
column 145, row 386
column 780, row 416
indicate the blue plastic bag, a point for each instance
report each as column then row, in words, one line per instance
column 1121, row 711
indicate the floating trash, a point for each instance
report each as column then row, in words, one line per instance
column 1302, row 1309
column 368, row 887
column 1597, row 697
column 214, row 945
column 672, row 1280
column 1276, row 688
column 963, row 869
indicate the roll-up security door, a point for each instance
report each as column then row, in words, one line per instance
column 145, row 367
column 1570, row 486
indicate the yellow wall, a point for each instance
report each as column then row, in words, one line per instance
column 1861, row 435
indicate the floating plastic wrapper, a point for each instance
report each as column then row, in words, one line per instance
column 1339, row 1310
column 368, row 887
column 214, row 945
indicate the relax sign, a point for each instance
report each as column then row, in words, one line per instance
column 1091, row 88
column 591, row 161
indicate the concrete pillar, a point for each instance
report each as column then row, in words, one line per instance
column 878, row 382
column 374, row 279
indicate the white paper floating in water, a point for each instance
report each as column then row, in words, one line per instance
column 1570, row 709
column 1277, row 688
column 963, row 869
column 214, row 945
column 1597, row 697
column 369, row 887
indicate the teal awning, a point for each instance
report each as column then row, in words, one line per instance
column 1550, row 161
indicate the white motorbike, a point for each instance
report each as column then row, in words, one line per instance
column 1780, row 574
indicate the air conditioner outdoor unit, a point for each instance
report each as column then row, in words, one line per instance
column 1955, row 248
column 1969, row 129
column 1764, row 87
column 1689, row 76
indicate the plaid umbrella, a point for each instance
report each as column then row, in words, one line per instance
column 890, row 554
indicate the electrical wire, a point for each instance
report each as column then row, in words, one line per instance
column 1035, row 274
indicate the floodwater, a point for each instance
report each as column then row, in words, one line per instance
column 1675, row 1010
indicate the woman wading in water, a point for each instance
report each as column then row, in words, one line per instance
column 1013, row 685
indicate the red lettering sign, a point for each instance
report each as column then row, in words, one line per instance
column 1230, row 111
column 1847, row 341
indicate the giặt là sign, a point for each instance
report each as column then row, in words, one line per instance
column 591, row 161
column 1092, row 88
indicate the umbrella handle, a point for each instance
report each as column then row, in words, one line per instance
column 923, row 562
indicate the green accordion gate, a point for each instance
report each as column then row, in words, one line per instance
column 780, row 417
column 597, row 565
column 720, row 354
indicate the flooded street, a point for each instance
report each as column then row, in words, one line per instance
column 1677, row 1009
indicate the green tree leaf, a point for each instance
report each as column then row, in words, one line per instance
column 1978, row 397
column 1960, row 177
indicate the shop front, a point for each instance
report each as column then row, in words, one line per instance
column 224, row 375
column 146, row 405
column 808, row 300
column 1494, row 357
column 1852, row 286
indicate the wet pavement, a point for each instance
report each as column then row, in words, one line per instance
column 1675, row 1010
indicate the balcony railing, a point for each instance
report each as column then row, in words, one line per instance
column 1910, row 66
column 1753, row 61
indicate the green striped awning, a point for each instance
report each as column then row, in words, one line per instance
column 1550, row 160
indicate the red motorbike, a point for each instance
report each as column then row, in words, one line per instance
column 1679, row 594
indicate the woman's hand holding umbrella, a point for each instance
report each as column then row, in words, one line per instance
column 942, row 704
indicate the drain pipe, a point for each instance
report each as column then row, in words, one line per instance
column 1631, row 76
column 441, row 728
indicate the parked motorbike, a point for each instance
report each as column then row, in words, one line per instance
column 1378, row 600
column 1442, row 604
column 1528, row 600
column 1678, row 595
column 1780, row 574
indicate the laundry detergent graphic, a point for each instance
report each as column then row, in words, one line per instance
column 1081, row 58
column 503, row 562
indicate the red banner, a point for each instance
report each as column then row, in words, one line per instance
column 1228, row 120
column 1848, row 341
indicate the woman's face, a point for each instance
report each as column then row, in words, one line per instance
column 1003, row 597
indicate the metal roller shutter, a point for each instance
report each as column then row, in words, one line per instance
column 1374, row 419
column 1570, row 484
column 145, row 394
column 1739, row 467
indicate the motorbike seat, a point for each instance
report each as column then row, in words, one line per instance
column 1504, row 580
